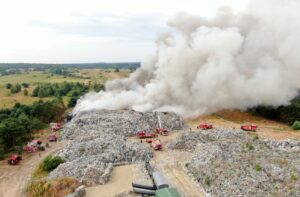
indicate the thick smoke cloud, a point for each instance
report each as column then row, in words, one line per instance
column 231, row 61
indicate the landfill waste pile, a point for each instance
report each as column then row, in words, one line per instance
column 120, row 122
column 98, row 141
column 229, row 162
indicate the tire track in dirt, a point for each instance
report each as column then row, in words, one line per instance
column 13, row 179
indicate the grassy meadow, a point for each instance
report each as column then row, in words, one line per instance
column 86, row 76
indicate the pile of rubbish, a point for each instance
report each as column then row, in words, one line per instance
column 98, row 141
column 121, row 122
column 229, row 162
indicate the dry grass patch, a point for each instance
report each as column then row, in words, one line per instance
column 51, row 188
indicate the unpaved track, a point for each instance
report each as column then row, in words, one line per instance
column 171, row 163
column 13, row 179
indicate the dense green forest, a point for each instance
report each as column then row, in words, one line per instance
column 286, row 114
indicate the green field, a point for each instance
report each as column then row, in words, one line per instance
column 7, row 100
column 35, row 77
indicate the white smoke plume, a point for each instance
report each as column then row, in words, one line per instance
column 230, row 61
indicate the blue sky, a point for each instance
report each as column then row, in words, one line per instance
column 66, row 31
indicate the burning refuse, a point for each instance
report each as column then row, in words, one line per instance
column 233, row 60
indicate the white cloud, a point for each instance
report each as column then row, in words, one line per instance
column 89, row 30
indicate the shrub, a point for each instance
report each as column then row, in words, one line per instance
column 255, row 137
column 294, row 177
column 296, row 125
column 25, row 92
column 249, row 146
column 51, row 162
column 51, row 188
column 81, row 150
column 38, row 188
column 72, row 102
column 16, row 88
column 257, row 167
column 25, row 85
column 8, row 86
column 207, row 181
column 98, row 87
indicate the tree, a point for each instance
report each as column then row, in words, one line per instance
column 73, row 101
column 8, row 86
column 42, row 93
column 117, row 70
column 12, row 133
column 25, row 85
column 2, row 152
column 25, row 92
column 35, row 91
column 98, row 87
column 19, row 87
column 16, row 88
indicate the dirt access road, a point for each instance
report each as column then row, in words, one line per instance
column 234, row 119
column 171, row 164
column 13, row 179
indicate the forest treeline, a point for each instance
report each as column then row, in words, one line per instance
column 287, row 114
column 120, row 65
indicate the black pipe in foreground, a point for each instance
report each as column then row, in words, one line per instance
column 143, row 191
column 151, row 187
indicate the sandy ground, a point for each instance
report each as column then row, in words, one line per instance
column 171, row 164
column 121, row 179
column 13, row 179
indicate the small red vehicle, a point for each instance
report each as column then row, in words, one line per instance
column 205, row 126
column 156, row 144
column 149, row 140
column 144, row 134
column 249, row 127
column 14, row 159
column 34, row 145
column 30, row 148
column 52, row 138
column 162, row 131
column 55, row 126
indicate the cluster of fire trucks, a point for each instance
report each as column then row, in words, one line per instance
column 36, row 144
